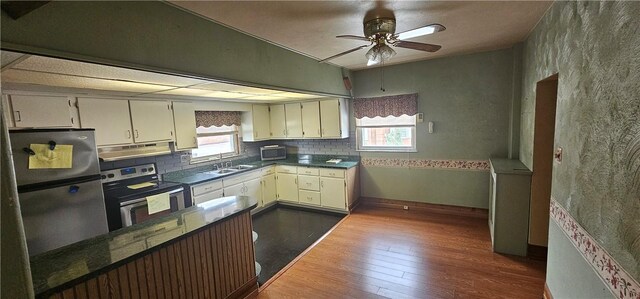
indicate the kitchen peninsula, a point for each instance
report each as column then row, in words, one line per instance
column 204, row 251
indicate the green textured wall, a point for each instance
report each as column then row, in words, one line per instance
column 156, row 36
column 470, row 99
column 595, row 48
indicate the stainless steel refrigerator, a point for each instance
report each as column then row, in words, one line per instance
column 59, row 186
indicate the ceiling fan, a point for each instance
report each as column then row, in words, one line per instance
column 381, row 32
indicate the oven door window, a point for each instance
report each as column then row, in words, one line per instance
column 140, row 212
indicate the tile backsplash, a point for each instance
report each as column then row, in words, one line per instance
column 173, row 162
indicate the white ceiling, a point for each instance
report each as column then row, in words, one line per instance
column 310, row 27
column 27, row 71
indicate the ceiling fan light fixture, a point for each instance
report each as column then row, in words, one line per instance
column 379, row 53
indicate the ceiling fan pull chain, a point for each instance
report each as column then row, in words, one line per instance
column 382, row 77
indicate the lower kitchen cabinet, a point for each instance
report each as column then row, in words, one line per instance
column 287, row 186
column 309, row 197
column 269, row 193
column 249, row 188
column 333, row 193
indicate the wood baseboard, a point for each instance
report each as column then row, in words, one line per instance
column 538, row 253
column 246, row 290
column 547, row 292
column 425, row 207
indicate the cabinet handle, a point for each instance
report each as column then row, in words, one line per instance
column 128, row 134
column 296, row 180
column 195, row 141
column 18, row 118
column 322, row 184
column 284, row 132
column 137, row 134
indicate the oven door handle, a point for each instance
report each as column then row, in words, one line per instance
column 144, row 199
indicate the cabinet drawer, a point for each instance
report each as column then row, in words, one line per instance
column 306, row 182
column 286, row 169
column 206, row 187
column 332, row 172
column 207, row 196
column 309, row 197
column 308, row 170
column 268, row 170
column 240, row 178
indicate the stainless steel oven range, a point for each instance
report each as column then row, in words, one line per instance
column 126, row 191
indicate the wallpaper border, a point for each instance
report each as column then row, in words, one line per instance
column 619, row 282
column 476, row 165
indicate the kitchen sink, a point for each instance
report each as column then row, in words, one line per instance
column 242, row 167
column 226, row 170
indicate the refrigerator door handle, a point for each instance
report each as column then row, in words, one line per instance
column 29, row 151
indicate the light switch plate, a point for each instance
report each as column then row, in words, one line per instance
column 557, row 155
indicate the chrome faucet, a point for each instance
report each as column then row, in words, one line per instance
column 228, row 164
column 215, row 167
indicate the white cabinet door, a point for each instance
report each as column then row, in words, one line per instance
column 287, row 186
column 330, row 118
column 311, row 120
column 184, row 118
column 269, row 189
column 110, row 118
column 277, row 121
column 293, row 116
column 252, row 188
column 207, row 196
column 333, row 193
column 261, row 125
column 41, row 111
column 235, row 190
column 152, row 121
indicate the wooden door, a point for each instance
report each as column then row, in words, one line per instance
column 277, row 121
column 184, row 118
column 330, row 118
column 261, row 125
column 333, row 193
column 269, row 193
column 151, row 120
column 287, row 187
column 109, row 117
column 293, row 116
column 41, row 111
column 311, row 120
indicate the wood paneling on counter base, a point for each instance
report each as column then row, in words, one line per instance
column 377, row 252
column 216, row 262
column 425, row 207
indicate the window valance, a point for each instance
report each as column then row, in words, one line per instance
column 217, row 118
column 385, row 106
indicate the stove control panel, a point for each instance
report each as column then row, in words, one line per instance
column 124, row 173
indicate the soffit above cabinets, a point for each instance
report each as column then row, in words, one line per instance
column 39, row 73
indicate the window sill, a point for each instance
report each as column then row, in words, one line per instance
column 388, row 150
column 211, row 159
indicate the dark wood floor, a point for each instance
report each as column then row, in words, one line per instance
column 379, row 252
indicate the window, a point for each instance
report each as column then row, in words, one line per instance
column 215, row 143
column 386, row 134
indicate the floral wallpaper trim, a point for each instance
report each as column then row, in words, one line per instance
column 482, row 165
column 619, row 282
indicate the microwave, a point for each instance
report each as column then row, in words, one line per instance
column 273, row 152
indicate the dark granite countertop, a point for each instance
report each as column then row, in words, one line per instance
column 57, row 267
column 204, row 174
column 510, row 166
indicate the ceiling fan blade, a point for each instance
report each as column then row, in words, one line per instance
column 420, row 31
column 417, row 46
column 362, row 38
column 343, row 53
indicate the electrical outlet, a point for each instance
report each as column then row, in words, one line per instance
column 184, row 158
column 558, row 155
column 405, row 207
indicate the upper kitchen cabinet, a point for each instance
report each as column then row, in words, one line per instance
column 277, row 121
column 109, row 117
column 42, row 111
column 311, row 120
column 152, row 121
column 184, row 118
column 293, row 119
column 256, row 123
column 334, row 118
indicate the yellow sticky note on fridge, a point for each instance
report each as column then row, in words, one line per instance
column 158, row 203
column 60, row 157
